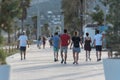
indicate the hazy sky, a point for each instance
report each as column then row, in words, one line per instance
column 37, row 1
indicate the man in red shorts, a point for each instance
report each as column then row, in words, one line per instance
column 65, row 41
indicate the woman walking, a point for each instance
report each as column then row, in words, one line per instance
column 76, row 41
column 87, row 46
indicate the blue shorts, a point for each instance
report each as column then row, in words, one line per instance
column 77, row 50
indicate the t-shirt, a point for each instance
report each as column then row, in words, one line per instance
column 98, row 39
column 64, row 39
column 76, row 41
column 23, row 40
column 56, row 41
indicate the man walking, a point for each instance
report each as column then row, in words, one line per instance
column 23, row 41
column 98, row 44
column 65, row 41
column 56, row 45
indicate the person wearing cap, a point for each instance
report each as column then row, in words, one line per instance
column 23, row 41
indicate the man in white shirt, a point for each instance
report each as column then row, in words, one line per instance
column 98, row 39
column 23, row 41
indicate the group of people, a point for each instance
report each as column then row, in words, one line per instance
column 63, row 41
column 41, row 41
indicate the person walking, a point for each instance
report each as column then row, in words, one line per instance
column 44, row 41
column 23, row 41
column 98, row 39
column 39, row 42
column 64, row 41
column 56, row 45
column 51, row 41
column 76, row 41
column 87, row 46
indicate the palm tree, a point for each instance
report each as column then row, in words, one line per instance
column 113, row 33
column 74, row 11
column 24, row 4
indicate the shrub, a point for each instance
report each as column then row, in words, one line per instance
column 2, row 57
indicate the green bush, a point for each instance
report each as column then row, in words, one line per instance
column 2, row 57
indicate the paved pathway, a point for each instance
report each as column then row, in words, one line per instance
column 39, row 65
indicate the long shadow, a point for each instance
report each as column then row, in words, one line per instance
column 53, row 65
column 71, row 76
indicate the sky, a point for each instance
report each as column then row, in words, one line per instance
column 37, row 1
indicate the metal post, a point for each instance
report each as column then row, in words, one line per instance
column 62, row 20
column 38, row 22
column 81, row 17
column 105, row 13
column 22, row 20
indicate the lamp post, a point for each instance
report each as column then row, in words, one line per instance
column 105, row 12
column 38, row 22
column 81, row 17
column 22, row 20
column 62, row 21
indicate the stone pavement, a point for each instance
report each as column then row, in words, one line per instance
column 39, row 65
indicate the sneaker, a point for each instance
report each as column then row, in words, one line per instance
column 73, row 62
column 54, row 60
column 98, row 59
column 65, row 63
column 90, row 59
column 62, row 61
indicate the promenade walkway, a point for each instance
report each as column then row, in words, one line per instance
column 39, row 65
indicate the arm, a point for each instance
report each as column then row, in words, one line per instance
column 71, row 45
column 81, row 44
column 28, row 43
column 94, row 41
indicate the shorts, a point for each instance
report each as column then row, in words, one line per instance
column 77, row 50
column 22, row 48
column 98, row 48
column 64, row 49
column 56, row 49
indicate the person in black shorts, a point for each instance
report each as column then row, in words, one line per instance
column 87, row 46
column 98, row 42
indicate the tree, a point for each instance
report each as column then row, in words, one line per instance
column 74, row 11
column 113, row 33
column 24, row 4
column 71, row 13
column 98, row 17
column 9, row 10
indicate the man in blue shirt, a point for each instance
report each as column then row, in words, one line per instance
column 56, row 45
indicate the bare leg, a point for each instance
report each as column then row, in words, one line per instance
column 89, row 56
column 97, row 55
column 74, row 57
column 21, row 54
column 86, row 56
column 77, row 57
column 62, row 57
column 24, row 54
column 57, row 56
column 65, row 57
column 100, row 55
